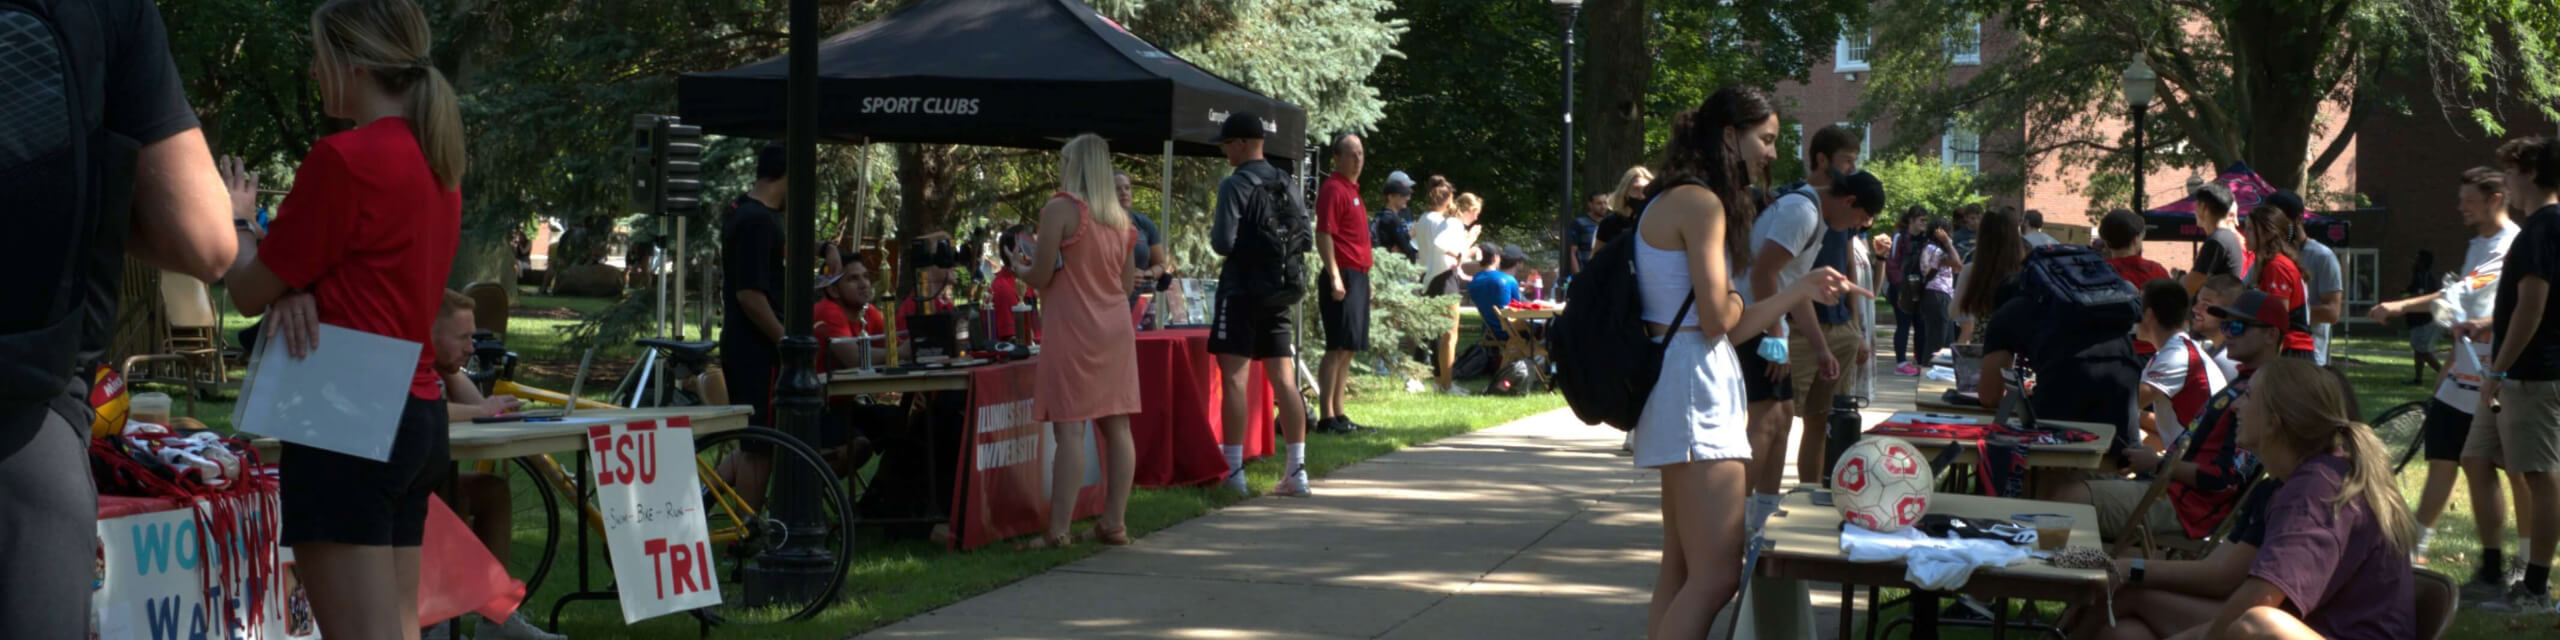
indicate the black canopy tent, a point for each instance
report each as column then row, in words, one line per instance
column 1009, row 73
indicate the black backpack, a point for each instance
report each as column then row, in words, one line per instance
column 1915, row 276
column 68, row 185
column 2076, row 286
column 1605, row 366
column 1271, row 241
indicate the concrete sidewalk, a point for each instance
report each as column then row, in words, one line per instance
column 1539, row 528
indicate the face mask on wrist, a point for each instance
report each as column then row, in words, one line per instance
column 1773, row 349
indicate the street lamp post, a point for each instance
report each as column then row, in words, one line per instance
column 2139, row 83
column 800, row 567
column 1566, row 12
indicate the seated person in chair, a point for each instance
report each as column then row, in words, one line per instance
column 2155, row 598
column 2211, row 466
column 847, row 343
column 1496, row 284
column 481, row 499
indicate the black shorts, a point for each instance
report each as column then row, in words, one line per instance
column 48, row 520
column 748, row 371
column 1346, row 321
column 1756, row 384
column 2445, row 431
column 1255, row 332
column 335, row 497
column 1445, row 284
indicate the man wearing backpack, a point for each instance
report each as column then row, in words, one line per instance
column 1262, row 229
column 1784, row 243
column 1849, row 204
column 148, row 183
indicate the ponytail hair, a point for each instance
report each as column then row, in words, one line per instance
column 390, row 41
column 2312, row 414
column 1699, row 150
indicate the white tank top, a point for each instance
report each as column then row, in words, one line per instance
column 1662, row 279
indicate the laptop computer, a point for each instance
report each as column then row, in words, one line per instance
column 569, row 408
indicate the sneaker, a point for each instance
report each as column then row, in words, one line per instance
column 1294, row 486
column 2482, row 589
column 1456, row 390
column 1628, row 445
column 2518, row 600
column 1347, row 426
column 1235, row 484
column 515, row 628
column 1906, row 370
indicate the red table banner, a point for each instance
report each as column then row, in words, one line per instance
column 1005, row 463
column 1180, row 427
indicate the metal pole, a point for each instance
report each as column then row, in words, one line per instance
column 677, row 256
column 1565, row 200
column 2139, row 150
column 652, row 266
column 798, row 569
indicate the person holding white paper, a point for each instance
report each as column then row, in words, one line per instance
column 364, row 242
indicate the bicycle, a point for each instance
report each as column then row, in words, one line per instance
column 739, row 527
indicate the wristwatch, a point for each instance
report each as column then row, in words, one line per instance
column 2134, row 576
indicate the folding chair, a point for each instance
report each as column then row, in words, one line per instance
column 1523, row 344
column 2178, row 546
column 191, row 354
column 2437, row 597
column 489, row 301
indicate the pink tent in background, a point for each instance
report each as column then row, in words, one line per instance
column 2177, row 220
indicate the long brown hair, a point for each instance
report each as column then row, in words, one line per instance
column 2311, row 413
column 1699, row 150
column 1436, row 193
column 390, row 41
column 1998, row 253
column 2272, row 233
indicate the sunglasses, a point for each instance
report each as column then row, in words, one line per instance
column 2234, row 328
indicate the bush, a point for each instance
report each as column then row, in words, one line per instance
column 1400, row 319
column 1910, row 180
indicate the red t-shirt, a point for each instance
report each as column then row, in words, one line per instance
column 2138, row 270
column 370, row 232
column 2283, row 281
column 1007, row 291
column 1338, row 213
column 831, row 323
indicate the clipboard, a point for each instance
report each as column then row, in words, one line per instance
column 345, row 396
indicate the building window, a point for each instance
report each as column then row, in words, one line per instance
column 2362, row 269
column 1864, row 137
column 1852, row 50
column 1966, row 46
column 1961, row 147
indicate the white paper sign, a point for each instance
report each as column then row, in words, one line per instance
column 652, row 507
column 345, row 396
column 153, row 583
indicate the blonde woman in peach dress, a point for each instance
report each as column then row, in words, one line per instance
column 1088, row 360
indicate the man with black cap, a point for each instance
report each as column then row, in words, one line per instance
column 2320, row 276
column 2206, row 475
column 2221, row 253
column 1394, row 224
column 1496, row 284
column 750, row 288
column 1262, row 229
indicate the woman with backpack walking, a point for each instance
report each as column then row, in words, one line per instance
column 1693, row 425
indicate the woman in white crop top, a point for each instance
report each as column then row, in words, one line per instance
column 1693, row 424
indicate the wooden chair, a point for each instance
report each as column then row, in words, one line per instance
column 2437, row 597
column 489, row 301
column 1521, row 345
column 192, row 351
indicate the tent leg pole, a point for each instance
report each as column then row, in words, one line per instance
column 1164, row 195
column 678, row 259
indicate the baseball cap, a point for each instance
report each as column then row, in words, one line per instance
column 1399, row 188
column 1398, row 177
column 1240, row 125
column 2215, row 193
column 2287, row 202
column 1513, row 255
column 1864, row 190
column 772, row 161
column 2255, row 308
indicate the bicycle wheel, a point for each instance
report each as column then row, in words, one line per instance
column 2400, row 429
column 532, row 501
column 741, row 535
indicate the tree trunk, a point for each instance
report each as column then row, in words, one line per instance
column 927, row 174
column 1615, row 68
column 2273, row 45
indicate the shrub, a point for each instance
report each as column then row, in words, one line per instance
column 1400, row 319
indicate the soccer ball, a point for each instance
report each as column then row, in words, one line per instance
column 1881, row 483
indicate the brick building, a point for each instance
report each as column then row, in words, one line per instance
column 2394, row 184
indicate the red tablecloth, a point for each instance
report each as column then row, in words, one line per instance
column 1179, row 428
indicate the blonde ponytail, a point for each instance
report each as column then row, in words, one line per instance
column 389, row 39
column 437, row 117
column 2310, row 407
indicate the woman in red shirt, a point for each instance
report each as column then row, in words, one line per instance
column 2271, row 238
column 1007, row 287
column 364, row 242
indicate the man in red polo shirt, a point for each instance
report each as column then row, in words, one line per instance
column 1342, row 237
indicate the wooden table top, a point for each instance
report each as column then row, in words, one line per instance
column 502, row 440
column 848, row 382
column 1805, row 545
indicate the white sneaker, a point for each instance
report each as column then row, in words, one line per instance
column 1236, row 484
column 1629, row 445
column 442, row 631
column 1294, row 486
column 515, row 628
column 1455, row 390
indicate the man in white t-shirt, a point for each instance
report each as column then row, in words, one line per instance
column 2451, row 412
column 1785, row 241
column 2182, row 375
